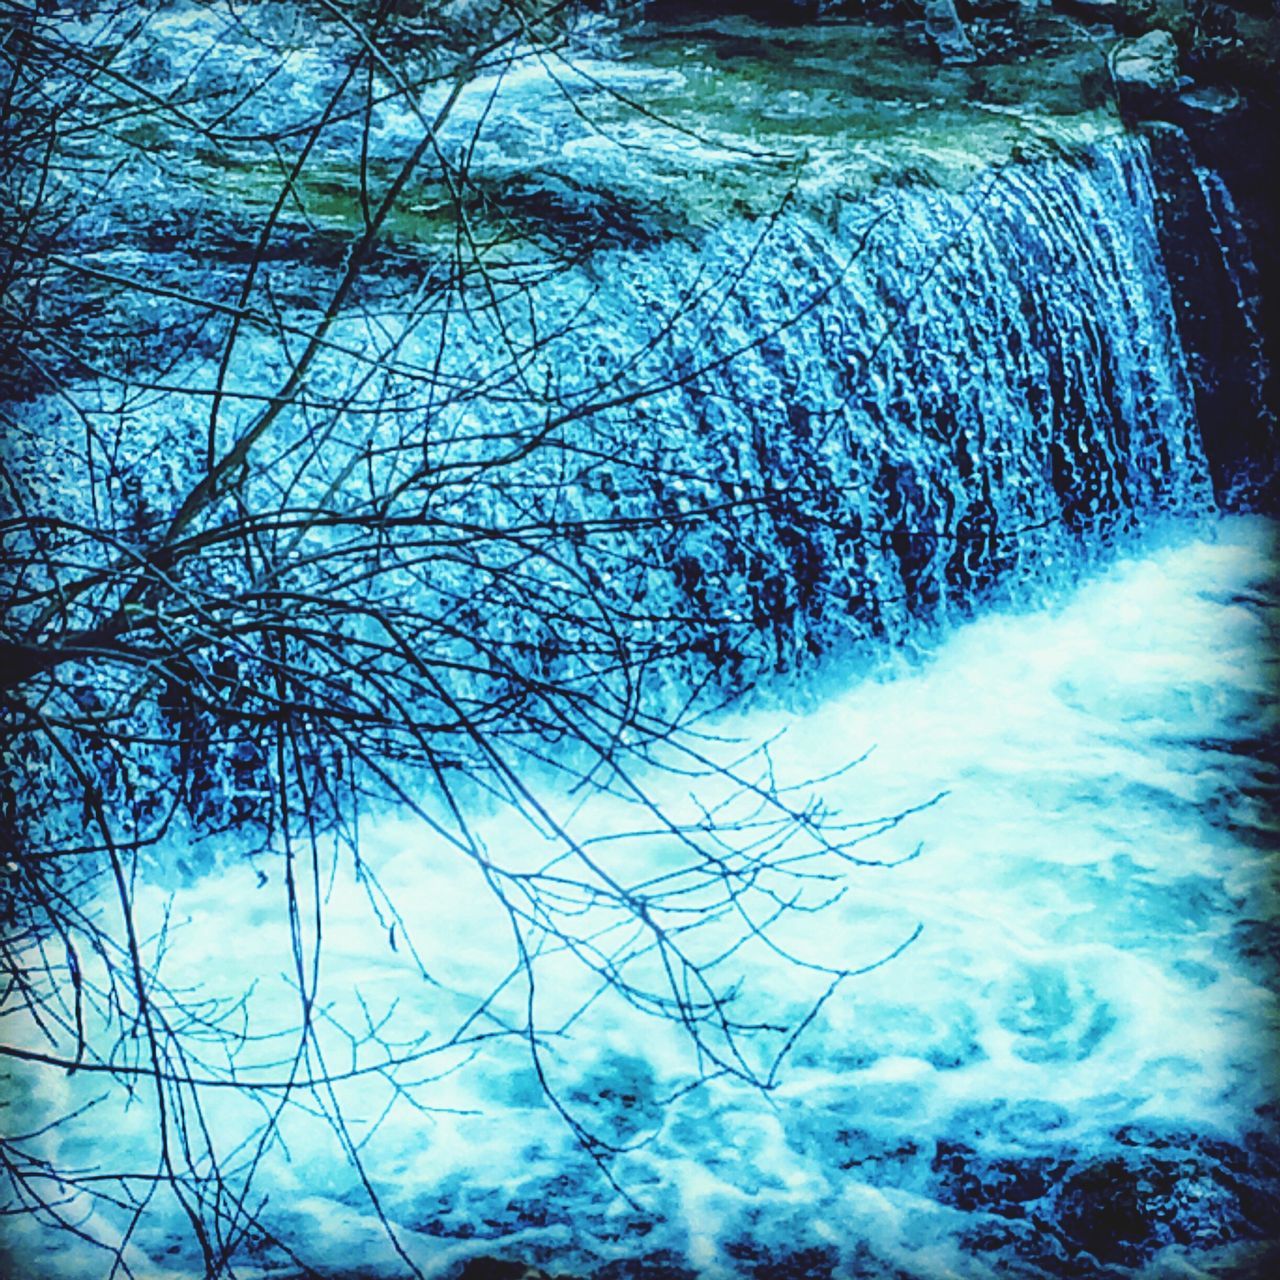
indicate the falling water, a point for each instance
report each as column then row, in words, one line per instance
column 891, row 406
column 952, row 400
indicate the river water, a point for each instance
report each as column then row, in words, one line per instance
column 1070, row 1071
column 1058, row 1055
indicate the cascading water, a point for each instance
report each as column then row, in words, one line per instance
column 1217, row 295
column 886, row 409
column 1232, row 244
column 893, row 409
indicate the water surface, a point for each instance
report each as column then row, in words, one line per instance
column 1074, row 1059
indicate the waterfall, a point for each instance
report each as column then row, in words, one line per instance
column 847, row 421
column 871, row 414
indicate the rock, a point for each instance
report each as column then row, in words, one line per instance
column 943, row 26
column 1146, row 69
column 1132, row 17
column 1209, row 102
column 1173, row 16
column 1109, row 11
column 1228, row 372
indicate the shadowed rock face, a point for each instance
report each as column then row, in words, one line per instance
column 1224, row 294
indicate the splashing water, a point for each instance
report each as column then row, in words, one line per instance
column 1074, row 1054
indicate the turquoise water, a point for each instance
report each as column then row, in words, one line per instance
column 1075, row 1055
column 1026, row 1029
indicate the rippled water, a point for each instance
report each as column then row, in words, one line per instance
column 1070, row 1072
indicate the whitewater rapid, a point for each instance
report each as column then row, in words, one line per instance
column 1088, row 1013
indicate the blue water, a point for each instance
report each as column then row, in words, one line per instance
column 1076, row 1053
column 958, row 428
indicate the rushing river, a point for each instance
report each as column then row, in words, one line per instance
column 951, row 424
column 1075, row 1056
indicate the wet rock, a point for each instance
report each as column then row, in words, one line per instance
column 765, row 1263
column 1101, row 1209
column 943, row 26
column 498, row 1269
column 1146, row 70
column 662, row 1264
column 1157, row 1191
column 1110, row 11
column 1208, row 103
column 1133, row 17
column 1232, row 46
column 1001, row 1186
column 1221, row 308
column 571, row 215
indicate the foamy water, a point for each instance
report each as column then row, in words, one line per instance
column 1076, row 1053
